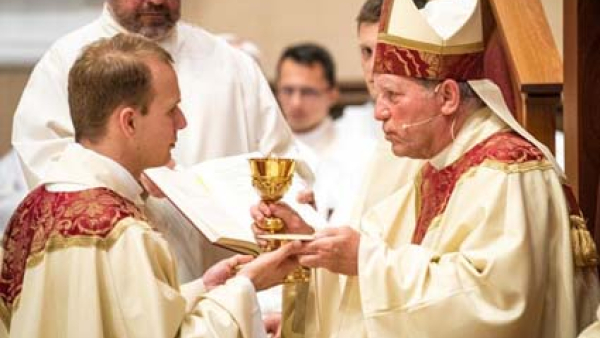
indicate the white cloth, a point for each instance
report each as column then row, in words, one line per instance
column 339, row 162
column 125, row 288
column 359, row 121
column 12, row 186
column 497, row 262
column 228, row 104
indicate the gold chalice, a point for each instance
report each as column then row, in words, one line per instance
column 272, row 177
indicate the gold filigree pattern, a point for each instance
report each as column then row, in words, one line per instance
column 48, row 221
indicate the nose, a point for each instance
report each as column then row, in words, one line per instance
column 382, row 112
column 296, row 98
column 181, row 121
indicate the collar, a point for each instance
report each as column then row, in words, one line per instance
column 319, row 138
column 479, row 126
column 111, row 27
column 81, row 166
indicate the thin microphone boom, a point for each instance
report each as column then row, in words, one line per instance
column 405, row 126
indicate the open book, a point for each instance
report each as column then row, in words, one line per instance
column 216, row 196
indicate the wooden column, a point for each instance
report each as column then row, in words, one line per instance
column 534, row 62
column 582, row 103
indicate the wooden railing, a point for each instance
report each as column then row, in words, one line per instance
column 531, row 71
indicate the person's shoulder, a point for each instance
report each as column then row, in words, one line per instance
column 69, row 45
column 199, row 41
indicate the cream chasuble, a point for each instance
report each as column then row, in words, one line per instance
column 494, row 259
column 99, row 270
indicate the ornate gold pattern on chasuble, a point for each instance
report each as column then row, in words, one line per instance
column 503, row 150
column 47, row 221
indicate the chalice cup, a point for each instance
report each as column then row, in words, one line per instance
column 272, row 177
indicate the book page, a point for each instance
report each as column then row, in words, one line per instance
column 216, row 196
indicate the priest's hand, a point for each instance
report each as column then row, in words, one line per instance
column 219, row 273
column 269, row 269
column 272, row 323
column 335, row 249
column 307, row 196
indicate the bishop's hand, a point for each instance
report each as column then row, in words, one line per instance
column 294, row 224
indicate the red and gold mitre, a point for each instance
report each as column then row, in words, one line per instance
column 442, row 40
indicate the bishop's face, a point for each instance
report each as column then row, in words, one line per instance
column 153, row 19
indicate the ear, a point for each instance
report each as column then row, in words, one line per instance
column 334, row 95
column 127, row 120
column 449, row 92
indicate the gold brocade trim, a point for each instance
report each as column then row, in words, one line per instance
column 58, row 242
column 512, row 168
column 418, row 202
column 5, row 315
column 397, row 41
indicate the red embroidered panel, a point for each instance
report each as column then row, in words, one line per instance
column 437, row 185
column 390, row 59
column 44, row 214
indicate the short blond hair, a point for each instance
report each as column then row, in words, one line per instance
column 109, row 73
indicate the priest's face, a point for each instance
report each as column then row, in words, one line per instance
column 411, row 114
column 153, row 19
column 156, row 131
column 304, row 94
column 367, row 39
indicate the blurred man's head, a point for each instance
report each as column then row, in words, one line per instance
column 368, row 27
column 306, row 85
column 153, row 19
column 123, row 100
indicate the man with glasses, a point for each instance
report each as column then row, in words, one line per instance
column 307, row 90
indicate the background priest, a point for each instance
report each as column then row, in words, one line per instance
column 486, row 242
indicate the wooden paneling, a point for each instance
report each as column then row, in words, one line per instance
column 12, row 82
column 582, row 102
column 529, row 43
column 534, row 62
column 275, row 24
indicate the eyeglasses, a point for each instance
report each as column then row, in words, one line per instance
column 305, row 92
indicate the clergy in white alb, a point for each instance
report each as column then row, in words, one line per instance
column 486, row 241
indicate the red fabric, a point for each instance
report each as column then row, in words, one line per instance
column 437, row 185
column 391, row 59
column 44, row 215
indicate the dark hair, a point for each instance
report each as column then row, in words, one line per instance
column 109, row 73
column 309, row 54
column 370, row 12
column 420, row 3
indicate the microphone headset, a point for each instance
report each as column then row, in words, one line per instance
column 405, row 126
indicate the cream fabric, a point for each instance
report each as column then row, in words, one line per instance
column 339, row 161
column 227, row 102
column 129, row 289
column 496, row 263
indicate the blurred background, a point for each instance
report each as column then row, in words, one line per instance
column 28, row 28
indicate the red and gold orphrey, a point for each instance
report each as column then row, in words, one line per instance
column 44, row 216
column 437, row 185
